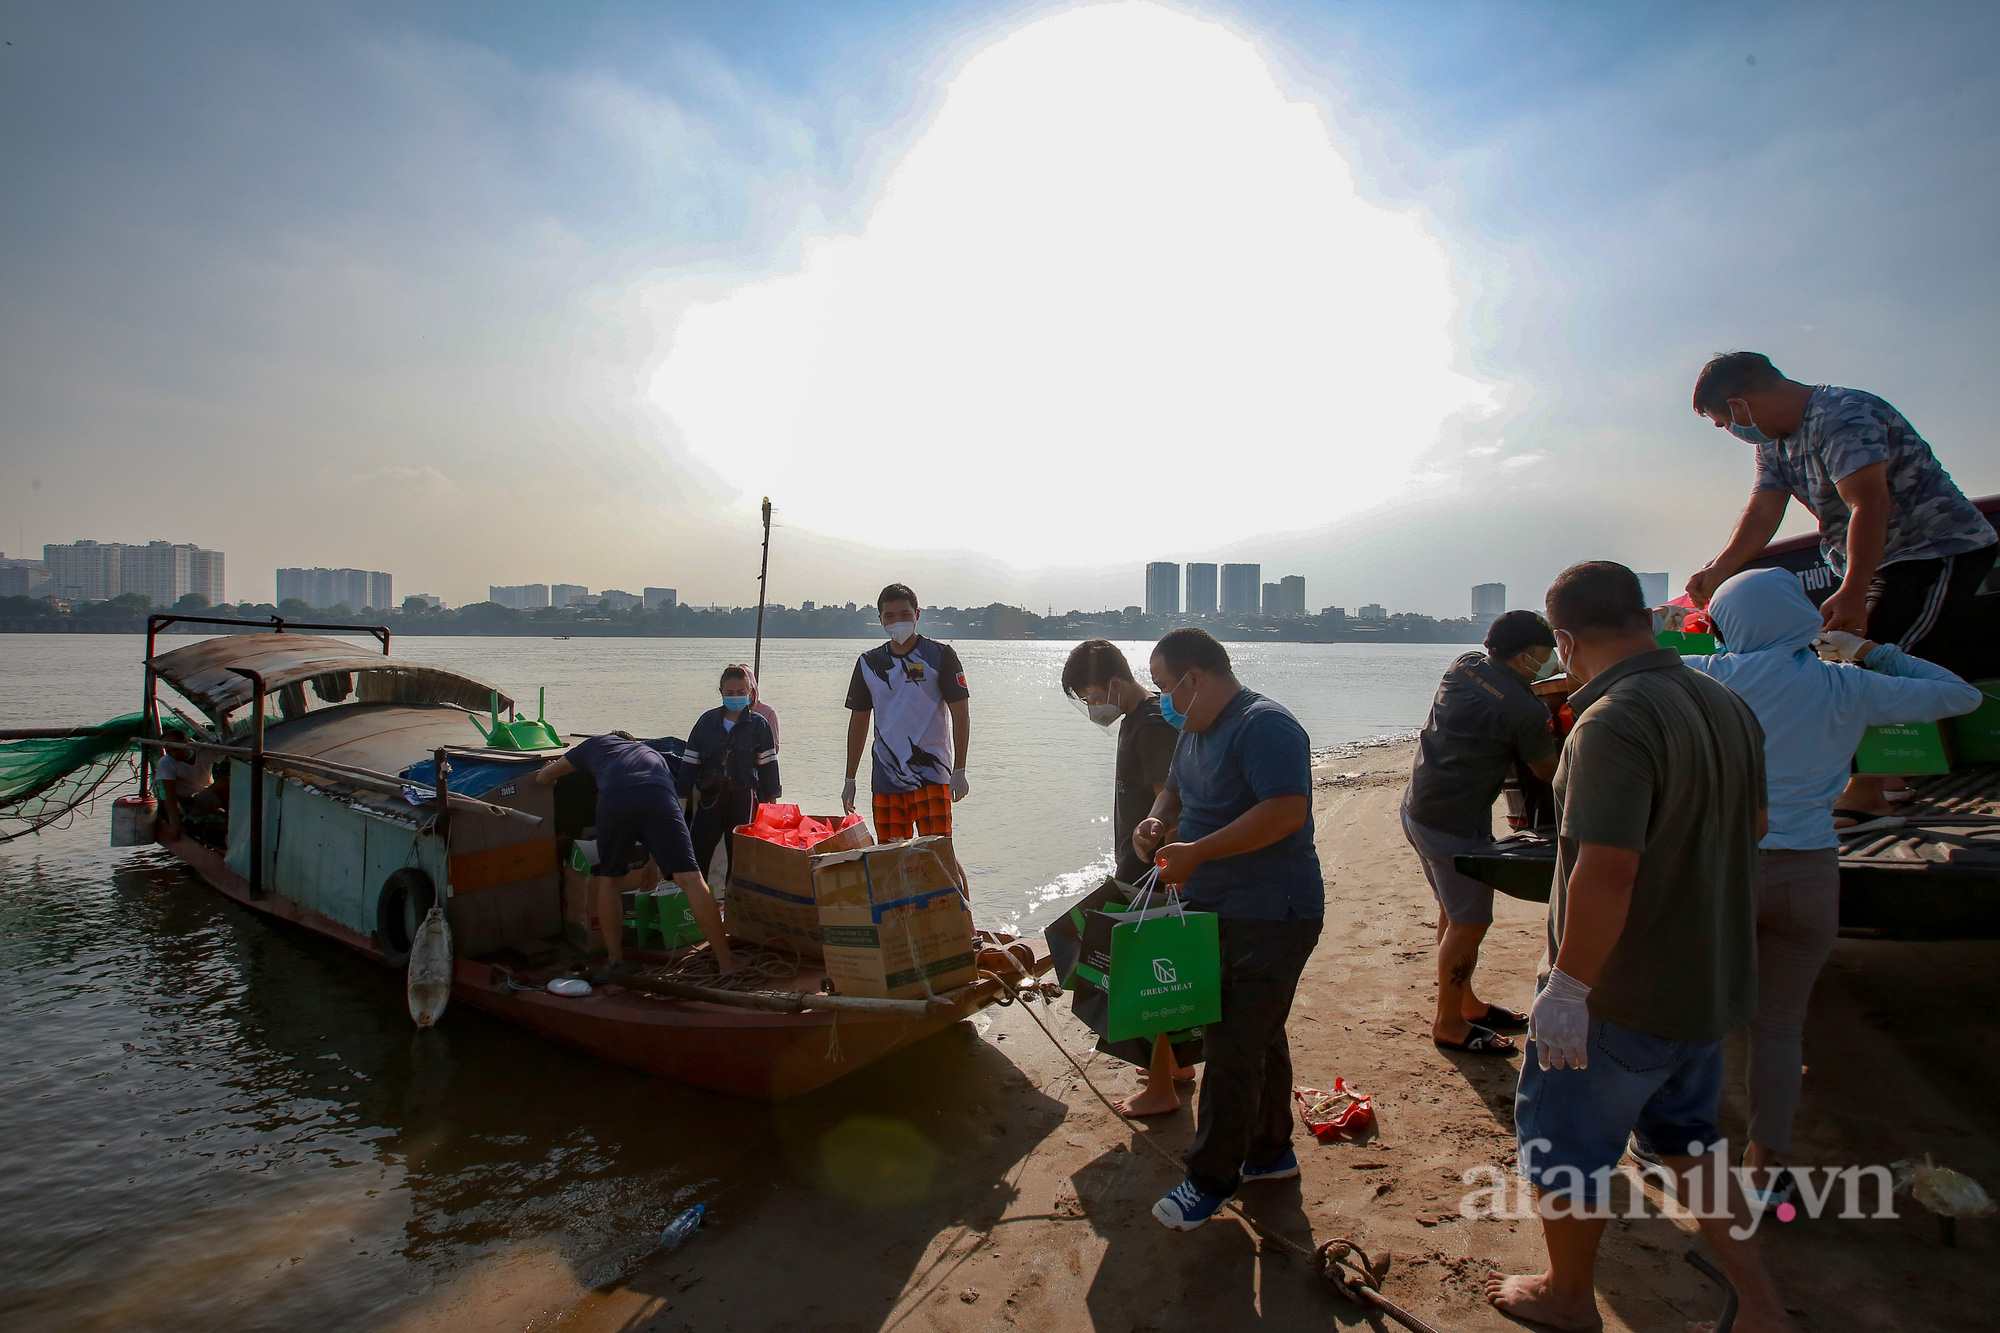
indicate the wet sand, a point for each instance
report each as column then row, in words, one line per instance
column 976, row 1183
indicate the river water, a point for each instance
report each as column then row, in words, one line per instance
column 216, row 1122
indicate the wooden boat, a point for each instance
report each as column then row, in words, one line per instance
column 1938, row 877
column 328, row 828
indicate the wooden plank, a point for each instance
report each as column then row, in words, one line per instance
column 472, row 871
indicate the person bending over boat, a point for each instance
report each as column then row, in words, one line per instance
column 915, row 690
column 1910, row 549
column 1813, row 714
column 1098, row 677
column 637, row 804
column 1241, row 789
column 185, row 783
column 734, row 758
column 1483, row 721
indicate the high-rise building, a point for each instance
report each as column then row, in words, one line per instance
column 656, row 598
column 1201, row 590
column 519, row 596
column 1372, row 611
column 1334, row 613
column 1292, row 595
column 1241, row 590
column 354, row 589
column 1273, row 600
column 23, row 578
column 430, row 599
column 1163, row 588
column 568, row 594
column 1655, row 589
column 619, row 600
column 162, row 572
column 1489, row 599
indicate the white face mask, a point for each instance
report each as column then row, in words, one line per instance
column 1549, row 668
column 901, row 630
column 1104, row 715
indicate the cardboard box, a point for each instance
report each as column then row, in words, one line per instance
column 772, row 895
column 893, row 922
column 1908, row 748
column 1976, row 735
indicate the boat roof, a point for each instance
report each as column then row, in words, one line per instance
column 385, row 738
column 204, row 673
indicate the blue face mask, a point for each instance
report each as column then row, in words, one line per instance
column 736, row 703
column 1174, row 716
column 1748, row 434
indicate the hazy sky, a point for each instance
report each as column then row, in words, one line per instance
column 1001, row 300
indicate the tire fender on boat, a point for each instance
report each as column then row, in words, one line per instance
column 406, row 900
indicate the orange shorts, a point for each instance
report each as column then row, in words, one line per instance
column 905, row 814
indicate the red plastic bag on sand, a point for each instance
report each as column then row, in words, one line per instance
column 1344, row 1115
column 784, row 825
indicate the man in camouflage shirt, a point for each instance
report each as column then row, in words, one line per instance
column 1909, row 549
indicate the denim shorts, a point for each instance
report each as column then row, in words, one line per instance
column 1463, row 900
column 1654, row 1089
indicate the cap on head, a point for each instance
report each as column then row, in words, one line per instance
column 1515, row 632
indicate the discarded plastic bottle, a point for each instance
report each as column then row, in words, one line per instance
column 682, row 1227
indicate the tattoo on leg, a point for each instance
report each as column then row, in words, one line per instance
column 1461, row 972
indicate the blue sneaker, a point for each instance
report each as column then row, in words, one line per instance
column 1285, row 1168
column 1188, row 1207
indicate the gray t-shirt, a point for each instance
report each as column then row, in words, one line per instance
column 1483, row 718
column 1668, row 763
column 1845, row 430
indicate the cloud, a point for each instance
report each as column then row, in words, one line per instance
column 1120, row 264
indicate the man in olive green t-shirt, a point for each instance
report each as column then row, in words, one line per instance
column 1652, row 949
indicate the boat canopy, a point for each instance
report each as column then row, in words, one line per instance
column 203, row 673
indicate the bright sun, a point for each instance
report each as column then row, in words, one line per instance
column 1122, row 300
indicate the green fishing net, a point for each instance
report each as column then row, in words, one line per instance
column 45, row 780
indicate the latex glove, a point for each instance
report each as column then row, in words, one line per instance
column 847, row 798
column 1836, row 645
column 1559, row 1023
column 959, row 786
column 1669, row 619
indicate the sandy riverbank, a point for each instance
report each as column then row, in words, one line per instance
column 977, row 1184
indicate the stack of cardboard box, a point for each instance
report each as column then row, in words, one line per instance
column 890, row 921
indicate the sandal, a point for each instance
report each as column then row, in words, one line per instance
column 1479, row 1041
column 1502, row 1020
column 1864, row 822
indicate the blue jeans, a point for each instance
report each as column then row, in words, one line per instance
column 1660, row 1091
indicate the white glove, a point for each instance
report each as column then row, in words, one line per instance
column 1836, row 645
column 1559, row 1023
column 1669, row 619
column 959, row 786
column 847, row 797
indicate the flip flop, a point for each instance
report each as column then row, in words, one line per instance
column 1479, row 1041
column 1864, row 822
column 1503, row 1020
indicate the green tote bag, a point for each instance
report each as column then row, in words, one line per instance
column 1166, row 972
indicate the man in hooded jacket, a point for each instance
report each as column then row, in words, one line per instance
column 1813, row 714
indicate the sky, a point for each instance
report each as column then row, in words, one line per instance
column 999, row 300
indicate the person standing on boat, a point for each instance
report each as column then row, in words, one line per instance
column 1484, row 720
column 914, row 689
column 1098, row 677
column 1813, row 714
column 1240, row 791
column 734, row 759
column 637, row 805
column 1910, row 550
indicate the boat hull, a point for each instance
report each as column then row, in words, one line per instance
column 743, row 1053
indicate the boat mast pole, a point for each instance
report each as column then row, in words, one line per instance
column 763, row 583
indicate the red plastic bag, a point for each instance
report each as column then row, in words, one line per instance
column 784, row 825
column 1345, row 1115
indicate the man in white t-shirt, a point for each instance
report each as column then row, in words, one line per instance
column 184, row 782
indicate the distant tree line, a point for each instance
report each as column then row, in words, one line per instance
column 994, row 621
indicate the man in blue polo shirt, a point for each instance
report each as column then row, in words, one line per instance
column 1241, row 788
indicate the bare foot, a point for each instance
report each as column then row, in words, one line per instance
column 1151, row 1101
column 1528, row 1299
column 1183, row 1075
